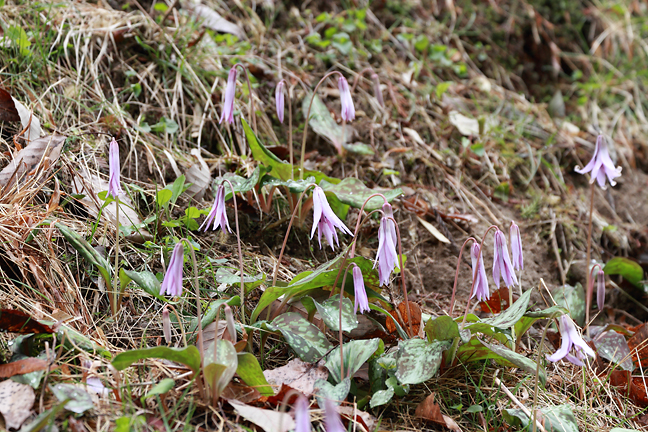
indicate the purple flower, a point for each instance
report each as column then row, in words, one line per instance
column 376, row 89
column 502, row 262
column 172, row 283
column 600, row 289
column 601, row 165
column 325, row 219
column 516, row 247
column 279, row 100
column 332, row 420
column 230, row 91
column 217, row 212
column 114, row 186
column 386, row 256
column 571, row 339
column 348, row 111
column 302, row 417
column 480, row 280
column 361, row 301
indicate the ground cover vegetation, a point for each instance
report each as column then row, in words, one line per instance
column 386, row 215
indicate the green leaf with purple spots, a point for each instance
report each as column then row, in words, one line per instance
column 304, row 338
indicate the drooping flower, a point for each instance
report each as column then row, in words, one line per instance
column 325, row 220
column 386, row 256
column 571, row 339
column 229, row 321
column 516, row 247
column 600, row 289
column 302, row 417
column 114, row 183
column 601, row 166
column 332, row 420
column 480, row 280
column 218, row 214
column 279, row 100
column 348, row 110
column 172, row 283
column 376, row 89
column 230, row 92
column 166, row 325
column 361, row 301
column 502, row 262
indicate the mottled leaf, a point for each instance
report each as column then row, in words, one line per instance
column 554, row 419
column 418, row 360
column 613, row 347
column 524, row 363
column 355, row 353
column 336, row 394
column 304, row 338
column 329, row 311
column 530, row 318
column 79, row 400
column 226, row 276
column 510, row 316
column 572, row 298
column 354, row 192
column 145, row 280
column 221, row 363
column 323, row 124
column 240, row 184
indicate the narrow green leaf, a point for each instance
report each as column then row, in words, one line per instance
column 189, row 356
column 160, row 388
column 251, row 373
column 630, row 270
column 528, row 365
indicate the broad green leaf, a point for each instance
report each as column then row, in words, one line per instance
column 554, row 419
column 356, row 353
column 160, row 388
column 441, row 328
column 613, row 347
column 78, row 400
column 381, row 397
column 329, row 311
column 418, row 360
column 326, row 390
column 354, row 192
column 19, row 40
column 304, row 338
column 145, row 280
column 221, row 363
column 323, row 124
column 524, row 363
column 163, row 196
column 251, row 373
column 630, row 270
column 339, row 208
column 510, row 316
column 572, row 298
column 226, row 276
column 209, row 315
column 87, row 252
column 177, row 187
column 530, row 318
column 189, row 356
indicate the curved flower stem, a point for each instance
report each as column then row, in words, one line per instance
column 290, row 138
column 182, row 330
column 240, row 252
column 340, row 324
column 252, row 113
column 358, row 75
column 283, row 246
column 472, row 287
column 201, row 346
column 355, row 234
column 588, row 299
column 402, row 269
column 355, row 238
column 113, row 294
column 303, row 147
column 590, row 292
column 454, row 288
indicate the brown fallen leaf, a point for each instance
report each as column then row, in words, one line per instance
column 415, row 310
column 26, row 162
column 297, row 374
column 498, row 302
column 23, row 366
column 8, row 111
column 638, row 346
column 431, row 411
column 16, row 401
column 15, row 321
column 241, row 392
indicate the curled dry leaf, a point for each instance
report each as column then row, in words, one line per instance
column 199, row 176
column 28, row 120
column 431, row 411
column 297, row 374
column 43, row 151
column 23, row 366
column 269, row 421
column 16, row 401
column 498, row 302
column 8, row 111
column 415, row 310
column 15, row 321
column 212, row 19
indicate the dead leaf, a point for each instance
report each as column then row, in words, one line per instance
column 297, row 374
column 435, row 232
column 16, row 401
column 465, row 125
column 23, row 366
column 90, row 185
column 431, row 411
column 27, row 118
column 212, row 19
column 415, row 310
column 199, row 176
column 76, row 425
column 15, row 321
column 269, row 421
column 639, row 346
column 8, row 111
column 498, row 301
column 638, row 391
column 27, row 160
column 240, row 392
column 366, row 420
